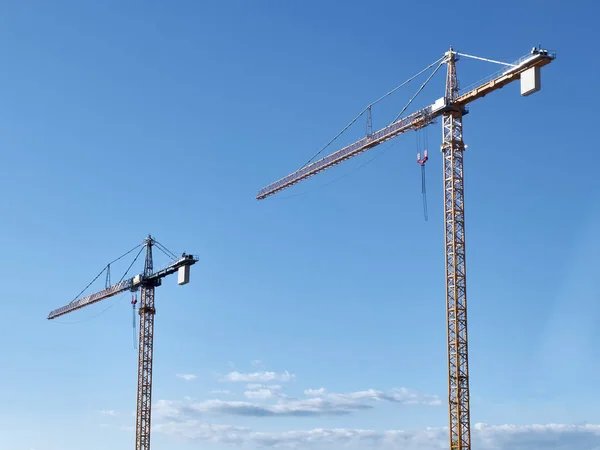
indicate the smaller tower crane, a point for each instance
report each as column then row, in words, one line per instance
column 146, row 282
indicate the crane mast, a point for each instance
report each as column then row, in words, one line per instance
column 451, row 108
column 146, row 283
column 456, row 279
column 145, row 353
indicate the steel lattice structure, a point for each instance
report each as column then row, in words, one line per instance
column 146, row 353
column 145, row 356
column 451, row 108
column 456, row 277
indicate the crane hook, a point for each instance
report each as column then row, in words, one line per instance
column 133, row 303
column 421, row 162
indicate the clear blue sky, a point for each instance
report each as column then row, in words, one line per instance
column 123, row 118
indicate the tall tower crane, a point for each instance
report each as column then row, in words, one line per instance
column 146, row 282
column 451, row 108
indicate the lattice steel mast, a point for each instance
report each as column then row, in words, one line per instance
column 145, row 353
column 146, row 282
column 456, row 280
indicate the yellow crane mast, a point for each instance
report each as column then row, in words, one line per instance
column 146, row 282
column 451, row 108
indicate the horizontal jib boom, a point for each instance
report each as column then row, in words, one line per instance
column 93, row 298
column 131, row 284
column 416, row 120
column 508, row 76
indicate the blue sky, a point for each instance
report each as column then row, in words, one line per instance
column 123, row 118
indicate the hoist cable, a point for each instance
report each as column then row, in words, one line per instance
column 134, row 328
column 424, row 191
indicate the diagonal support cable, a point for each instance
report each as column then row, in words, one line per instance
column 419, row 91
column 368, row 107
column 486, row 59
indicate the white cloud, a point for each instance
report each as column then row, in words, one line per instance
column 258, row 377
column 273, row 387
column 309, row 407
column 108, row 412
column 260, row 394
column 397, row 395
column 186, row 376
column 327, row 404
column 314, row 392
column 484, row 437
column 261, row 391
column 258, row 363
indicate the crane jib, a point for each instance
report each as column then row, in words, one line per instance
column 130, row 284
column 95, row 297
column 416, row 120
column 419, row 119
